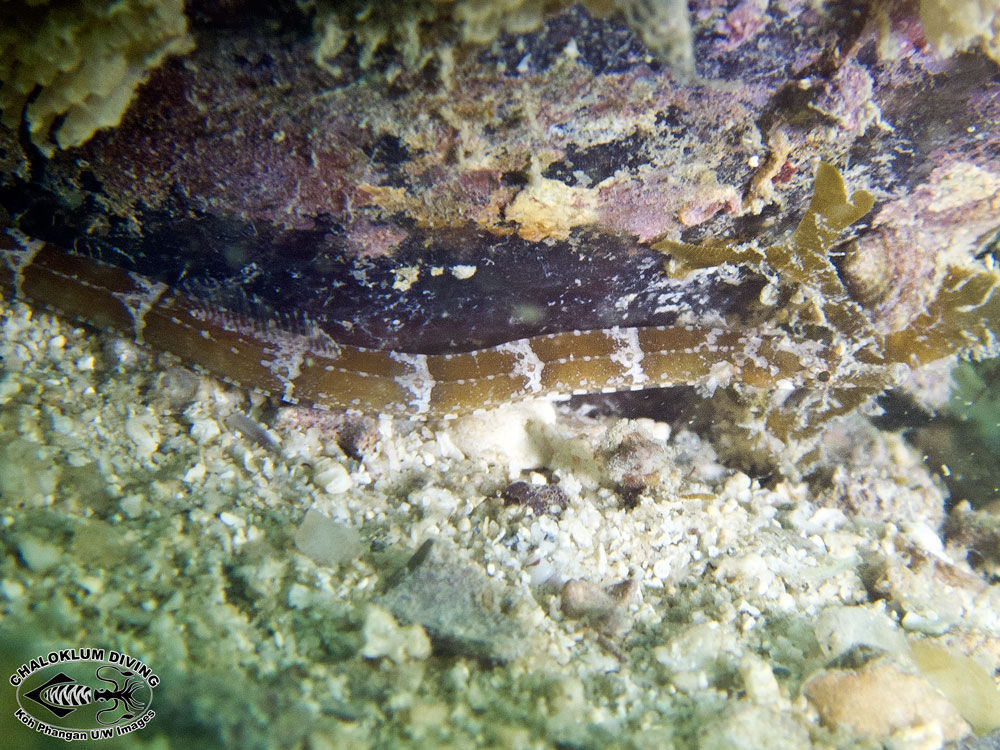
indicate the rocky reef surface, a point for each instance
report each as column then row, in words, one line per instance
column 717, row 564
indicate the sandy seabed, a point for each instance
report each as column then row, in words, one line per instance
column 291, row 594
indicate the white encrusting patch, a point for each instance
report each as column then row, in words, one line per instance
column 463, row 272
column 628, row 354
column 18, row 260
column 750, row 353
column 138, row 303
column 720, row 375
column 527, row 364
column 418, row 381
column 286, row 363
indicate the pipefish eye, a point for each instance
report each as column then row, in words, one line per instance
column 824, row 377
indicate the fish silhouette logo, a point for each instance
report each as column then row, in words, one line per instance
column 84, row 694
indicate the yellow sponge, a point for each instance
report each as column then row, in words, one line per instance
column 86, row 57
column 956, row 25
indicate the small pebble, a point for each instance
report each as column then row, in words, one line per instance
column 326, row 542
column 635, row 465
column 881, row 700
column 541, row 498
column 38, row 555
column 385, row 637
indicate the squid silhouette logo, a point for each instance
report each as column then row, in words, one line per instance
column 84, row 694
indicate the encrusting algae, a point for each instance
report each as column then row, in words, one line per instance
column 959, row 317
